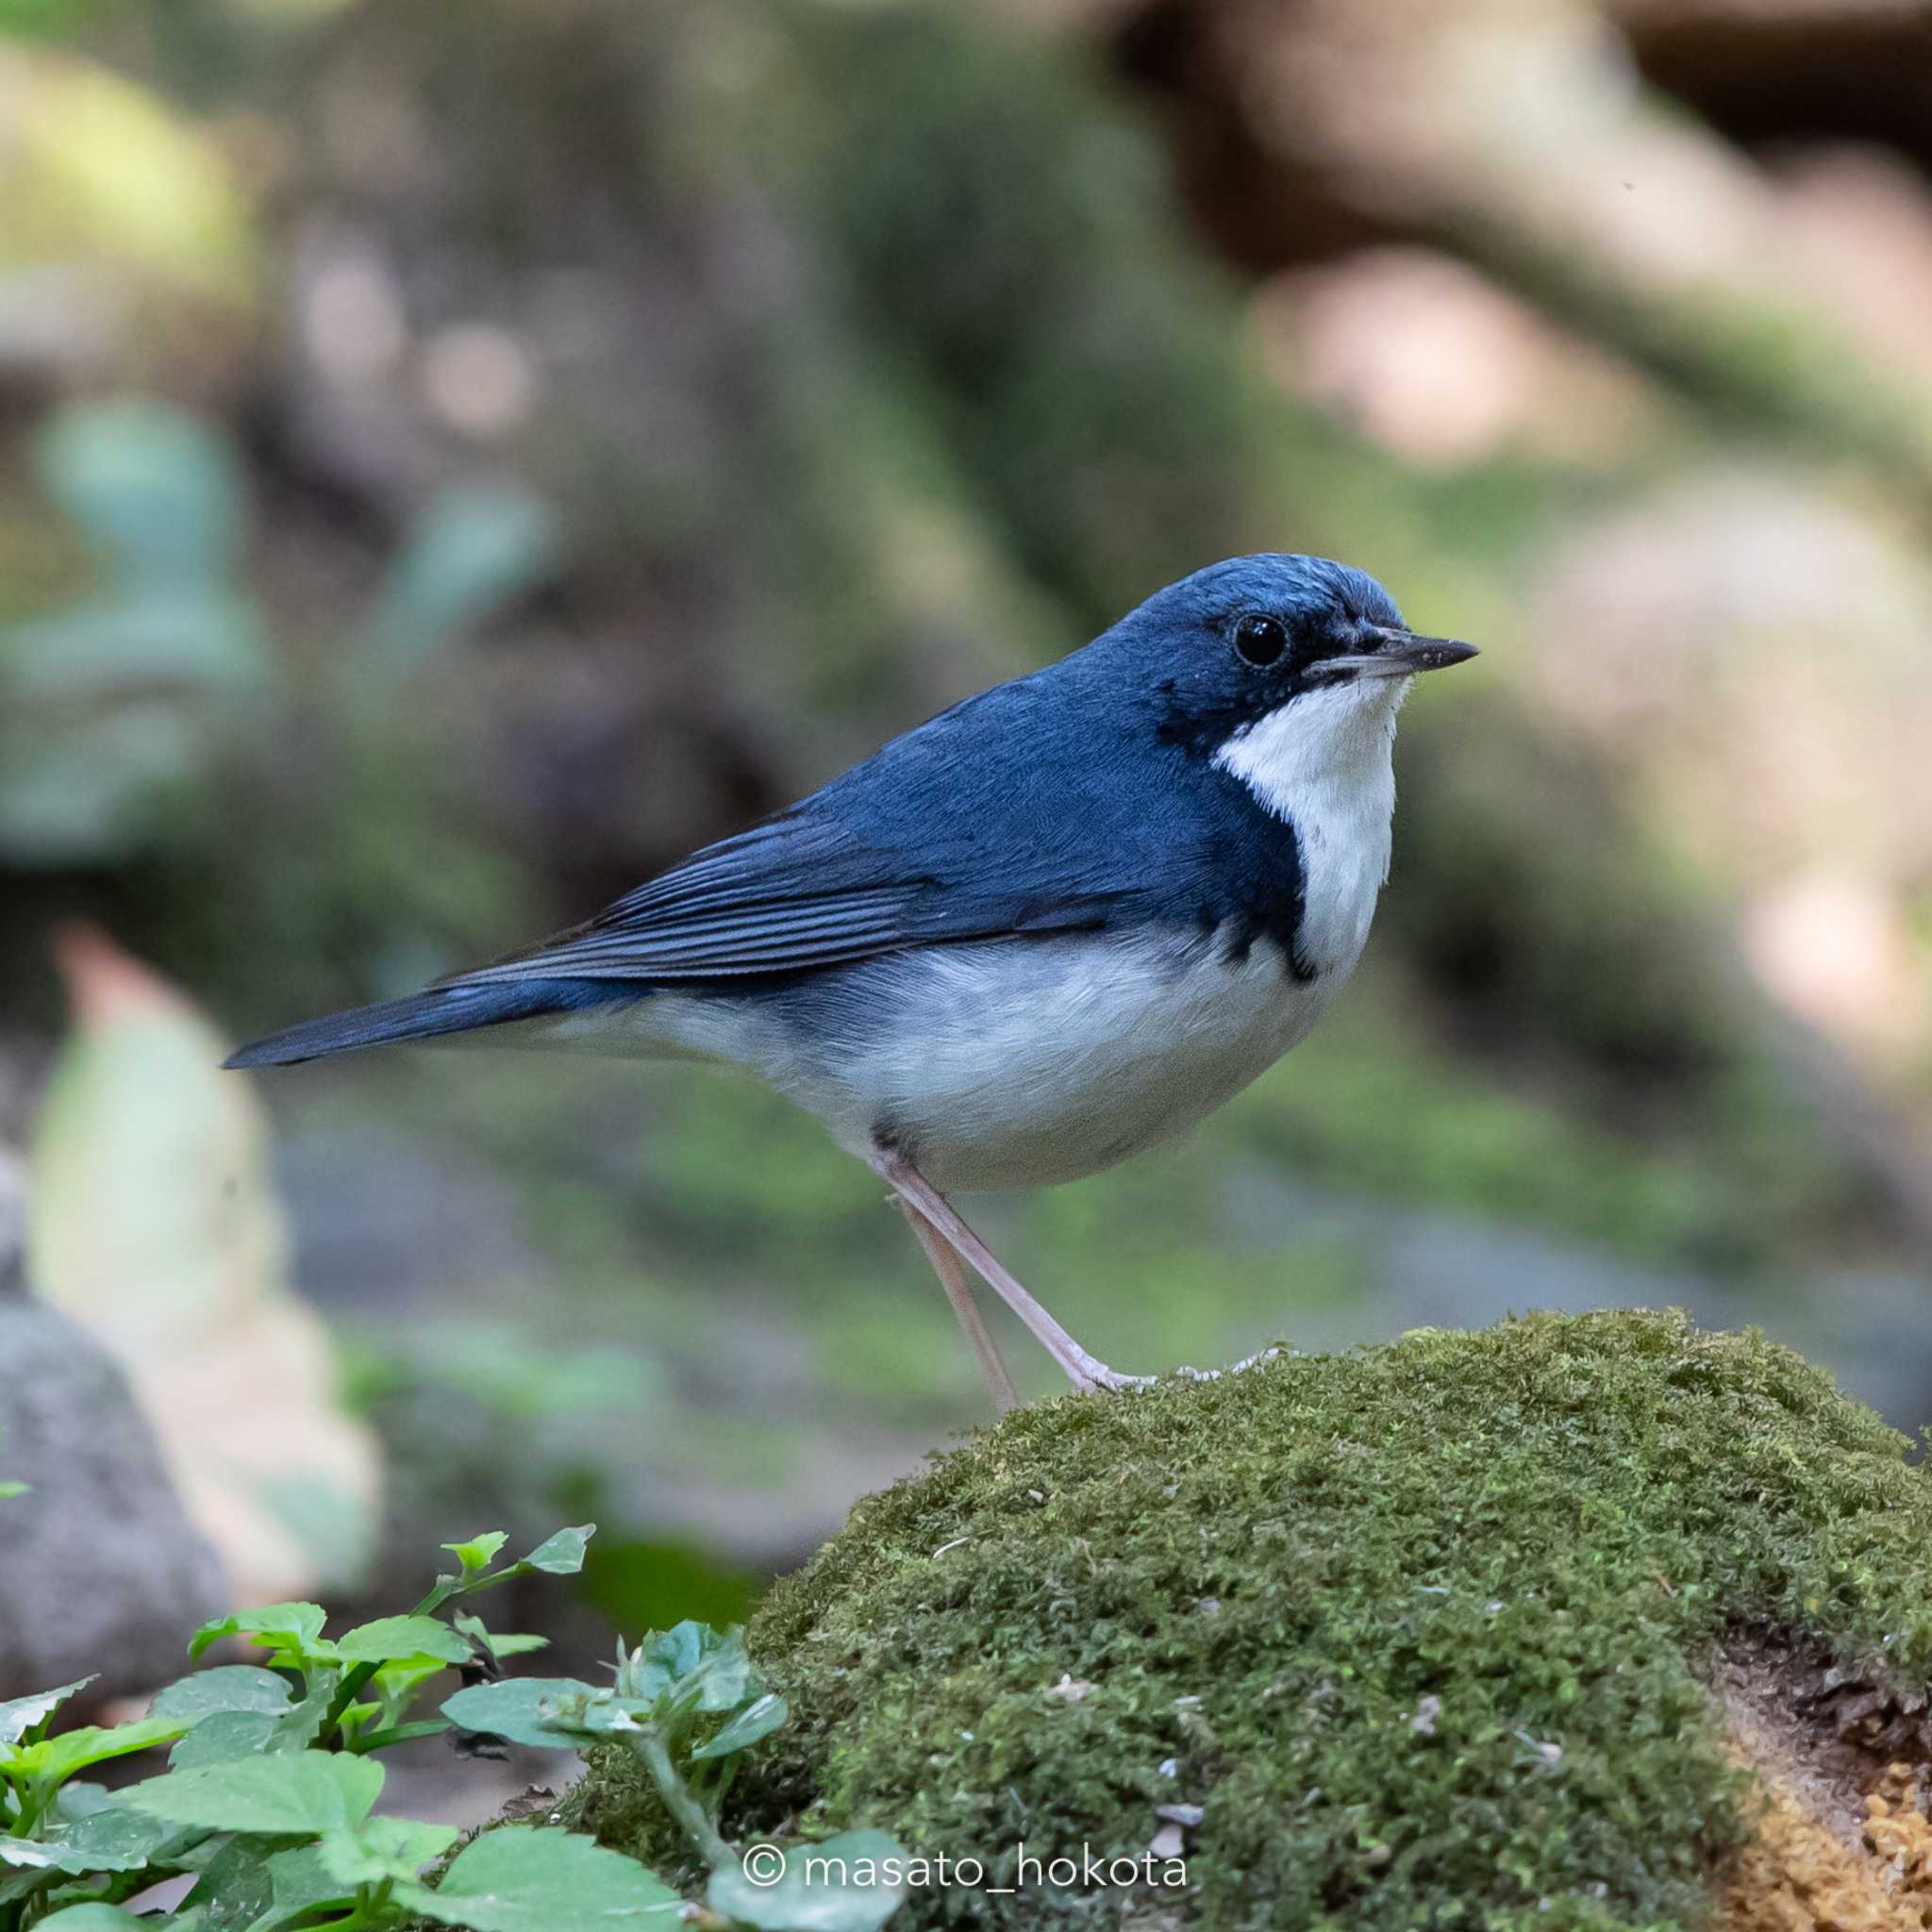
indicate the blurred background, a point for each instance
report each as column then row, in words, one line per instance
column 456, row 456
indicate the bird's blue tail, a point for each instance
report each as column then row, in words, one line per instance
column 431, row 1015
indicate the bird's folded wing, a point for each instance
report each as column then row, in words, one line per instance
column 788, row 896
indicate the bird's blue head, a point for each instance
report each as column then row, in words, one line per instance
column 1246, row 640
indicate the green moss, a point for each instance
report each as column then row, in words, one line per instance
column 1418, row 1627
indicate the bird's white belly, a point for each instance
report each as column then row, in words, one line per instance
column 1016, row 1062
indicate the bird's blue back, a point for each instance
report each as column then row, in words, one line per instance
column 1083, row 798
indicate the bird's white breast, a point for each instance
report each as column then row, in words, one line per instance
column 1324, row 763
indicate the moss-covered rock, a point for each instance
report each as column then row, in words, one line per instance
column 1450, row 1632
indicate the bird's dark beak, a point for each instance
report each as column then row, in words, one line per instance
column 1401, row 654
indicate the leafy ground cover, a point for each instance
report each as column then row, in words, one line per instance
column 268, row 1803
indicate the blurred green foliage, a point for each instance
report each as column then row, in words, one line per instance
column 113, row 705
column 163, row 725
column 50, row 18
column 128, row 711
column 643, row 1586
column 868, row 356
column 273, row 1772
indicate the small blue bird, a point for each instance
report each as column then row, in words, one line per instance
column 1052, row 926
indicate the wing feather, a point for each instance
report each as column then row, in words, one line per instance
column 765, row 903
column 894, row 854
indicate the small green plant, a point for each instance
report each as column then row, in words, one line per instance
column 269, row 1799
column 688, row 1703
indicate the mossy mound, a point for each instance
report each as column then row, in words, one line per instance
column 1432, row 1634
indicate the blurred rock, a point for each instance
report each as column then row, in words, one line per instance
column 1839, row 951
column 1756, row 70
column 1524, row 137
column 1861, row 222
column 1437, row 363
column 103, row 1571
column 22, row 1067
column 1749, row 649
column 154, row 1222
column 1775, row 20
column 432, row 1227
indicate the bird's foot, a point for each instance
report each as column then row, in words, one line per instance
column 1250, row 1361
column 1092, row 1377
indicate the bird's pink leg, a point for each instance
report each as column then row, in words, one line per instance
column 1083, row 1370
column 945, row 1264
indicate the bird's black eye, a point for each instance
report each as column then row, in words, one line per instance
column 1261, row 640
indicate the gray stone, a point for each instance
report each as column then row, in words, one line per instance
column 100, row 1568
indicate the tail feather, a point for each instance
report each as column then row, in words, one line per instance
column 430, row 1015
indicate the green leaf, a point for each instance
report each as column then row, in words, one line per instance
column 21, row 1715
column 29, row 1854
column 644, row 1682
column 55, row 1758
column 603, row 1714
column 240, row 1888
column 561, row 1554
column 276, row 1626
column 758, row 1719
column 512, row 1708
column 393, row 1682
column 224, row 1736
column 498, row 1644
column 226, row 1688
column 190, row 639
column 706, row 1669
column 158, row 492
column 306, row 1718
column 679, row 1648
column 480, row 1551
column 380, row 1848
column 850, row 1882
column 535, row 1878
column 231, row 1734
column 116, row 1839
column 396, row 1640
column 300, row 1883
column 19, row 1884
column 726, row 1681
column 91, row 789
column 508, row 1644
column 81, row 1798
column 113, row 1840
column 473, row 550
column 9, row 1489
column 302, row 1790
column 93, row 1917
column 198, row 1850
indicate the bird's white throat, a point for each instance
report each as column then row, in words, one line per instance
column 1323, row 763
